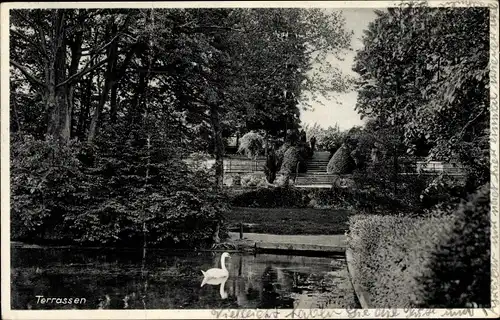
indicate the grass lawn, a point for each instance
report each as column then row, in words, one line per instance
column 289, row 221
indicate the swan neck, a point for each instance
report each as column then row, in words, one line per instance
column 223, row 262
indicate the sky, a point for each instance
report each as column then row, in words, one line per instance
column 341, row 110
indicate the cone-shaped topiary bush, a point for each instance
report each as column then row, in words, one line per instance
column 290, row 161
column 341, row 161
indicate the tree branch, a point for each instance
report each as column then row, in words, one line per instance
column 462, row 132
column 99, row 49
column 80, row 74
column 18, row 13
column 28, row 75
column 126, row 62
column 28, row 40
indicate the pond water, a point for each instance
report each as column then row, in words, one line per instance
column 123, row 279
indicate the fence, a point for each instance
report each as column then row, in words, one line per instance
column 244, row 165
column 235, row 165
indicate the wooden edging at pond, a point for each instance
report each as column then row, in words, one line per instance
column 360, row 293
column 297, row 248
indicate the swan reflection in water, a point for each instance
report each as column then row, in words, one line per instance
column 215, row 282
column 216, row 276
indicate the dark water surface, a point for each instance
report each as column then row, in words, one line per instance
column 118, row 279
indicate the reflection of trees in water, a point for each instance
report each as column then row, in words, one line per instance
column 272, row 293
column 257, row 285
column 243, row 283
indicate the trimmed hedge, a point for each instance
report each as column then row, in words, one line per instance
column 271, row 198
column 460, row 273
column 437, row 261
column 291, row 197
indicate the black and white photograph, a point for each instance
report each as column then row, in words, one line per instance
column 250, row 159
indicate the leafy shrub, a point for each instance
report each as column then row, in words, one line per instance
column 341, row 162
column 289, row 166
column 271, row 198
column 47, row 184
column 291, row 197
column 272, row 166
column 280, row 153
column 305, row 152
column 253, row 180
column 251, row 144
column 405, row 261
column 290, row 160
column 331, row 139
column 83, row 195
column 460, row 266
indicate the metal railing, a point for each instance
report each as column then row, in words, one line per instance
column 243, row 165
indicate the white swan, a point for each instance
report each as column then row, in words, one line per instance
column 214, row 275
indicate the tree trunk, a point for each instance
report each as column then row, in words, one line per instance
column 134, row 114
column 395, row 163
column 56, row 98
column 59, row 114
column 218, row 146
column 85, row 113
column 98, row 111
column 59, row 93
column 109, row 82
column 118, row 74
column 113, row 103
column 86, row 105
column 266, row 144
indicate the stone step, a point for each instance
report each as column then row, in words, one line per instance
column 317, row 175
column 307, row 174
column 325, row 174
column 321, row 153
column 315, row 180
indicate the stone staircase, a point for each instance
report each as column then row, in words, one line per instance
column 318, row 162
column 316, row 175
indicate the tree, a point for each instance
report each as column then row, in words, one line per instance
column 285, row 46
column 55, row 59
column 425, row 75
column 251, row 144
